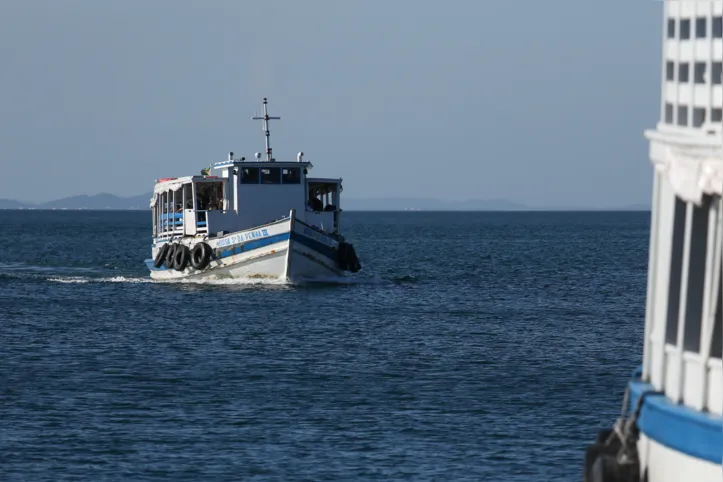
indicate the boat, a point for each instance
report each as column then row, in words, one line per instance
column 259, row 218
column 671, row 425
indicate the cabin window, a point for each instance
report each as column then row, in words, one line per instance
column 696, row 277
column 699, row 72
column 676, row 267
column 209, row 196
column 716, row 115
column 717, row 27
column 323, row 197
column 671, row 28
column 250, row 175
column 683, row 71
column 701, row 27
column 684, row 29
column 271, row 175
column 698, row 116
column 717, row 73
column 668, row 113
column 291, row 175
column 669, row 70
column 314, row 202
column 177, row 200
column 682, row 115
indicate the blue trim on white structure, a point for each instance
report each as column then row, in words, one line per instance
column 315, row 245
column 251, row 245
column 233, row 250
column 149, row 264
column 694, row 433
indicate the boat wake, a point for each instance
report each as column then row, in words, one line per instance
column 82, row 275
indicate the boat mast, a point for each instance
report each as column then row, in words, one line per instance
column 266, row 120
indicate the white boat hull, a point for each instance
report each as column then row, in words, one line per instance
column 664, row 464
column 287, row 249
column 673, row 442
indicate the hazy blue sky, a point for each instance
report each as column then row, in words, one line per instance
column 543, row 103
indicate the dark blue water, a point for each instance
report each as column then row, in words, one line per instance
column 474, row 346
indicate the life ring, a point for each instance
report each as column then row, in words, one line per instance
column 200, row 256
column 171, row 256
column 180, row 257
column 161, row 256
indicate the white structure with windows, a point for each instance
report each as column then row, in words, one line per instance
column 257, row 218
column 693, row 64
column 672, row 428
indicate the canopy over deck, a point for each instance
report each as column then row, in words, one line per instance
column 175, row 183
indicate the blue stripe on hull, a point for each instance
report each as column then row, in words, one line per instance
column 694, row 433
column 315, row 245
column 234, row 250
column 225, row 252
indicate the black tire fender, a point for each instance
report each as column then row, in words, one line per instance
column 200, row 256
column 161, row 256
column 171, row 256
column 180, row 257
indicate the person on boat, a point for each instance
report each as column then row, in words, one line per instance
column 315, row 203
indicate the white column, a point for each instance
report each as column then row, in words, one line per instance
column 652, row 265
column 661, row 282
column 235, row 180
column 710, row 295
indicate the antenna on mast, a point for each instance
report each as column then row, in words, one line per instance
column 266, row 120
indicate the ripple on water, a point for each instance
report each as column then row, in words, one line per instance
column 473, row 346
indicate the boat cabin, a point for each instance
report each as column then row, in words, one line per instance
column 243, row 195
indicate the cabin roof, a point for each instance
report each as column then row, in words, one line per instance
column 324, row 180
column 255, row 163
column 173, row 183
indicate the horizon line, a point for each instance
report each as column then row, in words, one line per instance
column 516, row 205
column 528, row 210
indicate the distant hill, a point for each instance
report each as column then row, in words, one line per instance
column 10, row 204
column 105, row 201
column 425, row 204
column 99, row 201
column 102, row 201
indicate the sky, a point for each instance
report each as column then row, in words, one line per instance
column 542, row 103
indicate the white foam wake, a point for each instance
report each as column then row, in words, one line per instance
column 222, row 281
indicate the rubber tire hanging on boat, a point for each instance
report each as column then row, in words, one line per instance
column 180, row 257
column 354, row 264
column 200, row 256
column 170, row 256
column 601, row 464
column 161, row 256
column 347, row 258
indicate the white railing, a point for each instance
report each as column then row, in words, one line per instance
column 684, row 366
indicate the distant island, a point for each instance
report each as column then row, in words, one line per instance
column 105, row 201
column 102, row 201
